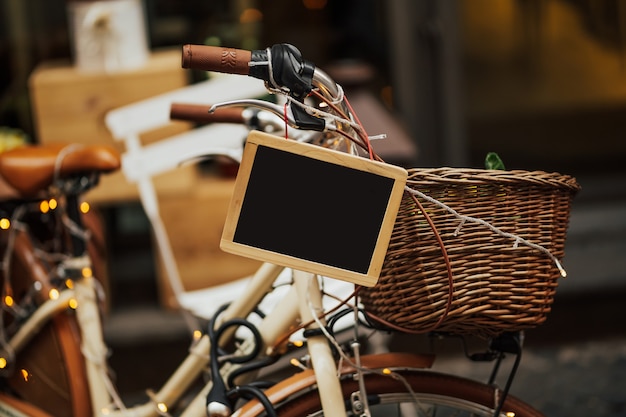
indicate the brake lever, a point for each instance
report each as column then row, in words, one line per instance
column 295, row 117
column 276, row 109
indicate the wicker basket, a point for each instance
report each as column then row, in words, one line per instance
column 498, row 284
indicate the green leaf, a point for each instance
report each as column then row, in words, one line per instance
column 493, row 161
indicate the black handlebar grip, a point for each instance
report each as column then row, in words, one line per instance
column 199, row 113
column 288, row 68
column 216, row 58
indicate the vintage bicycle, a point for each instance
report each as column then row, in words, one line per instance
column 445, row 269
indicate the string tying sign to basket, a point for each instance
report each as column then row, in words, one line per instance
column 516, row 239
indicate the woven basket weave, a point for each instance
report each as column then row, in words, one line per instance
column 499, row 285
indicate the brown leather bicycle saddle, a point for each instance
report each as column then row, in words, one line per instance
column 33, row 168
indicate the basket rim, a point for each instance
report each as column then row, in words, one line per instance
column 476, row 176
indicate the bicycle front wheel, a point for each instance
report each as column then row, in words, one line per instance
column 413, row 393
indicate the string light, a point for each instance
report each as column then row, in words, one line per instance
column 44, row 206
column 161, row 407
column 3, row 362
column 297, row 364
column 197, row 334
column 87, row 272
column 52, row 203
column 5, row 223
column 25, row 375
column 53, row 294
column 69, row 283
column 8, row 301
column 84, row 207
column 73, row 304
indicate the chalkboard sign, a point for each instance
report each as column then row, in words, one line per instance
column 313, row 209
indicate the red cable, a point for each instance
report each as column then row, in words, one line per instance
column 285, row 118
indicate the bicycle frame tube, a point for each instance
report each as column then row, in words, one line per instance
column 303, row 298
column 321, row 356
column 197, row 360
column 40, row 317
column 92, row 343
column 275, row 324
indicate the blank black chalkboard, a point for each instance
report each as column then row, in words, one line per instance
column 313, row 209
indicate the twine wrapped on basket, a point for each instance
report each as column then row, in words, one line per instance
column 503, row 233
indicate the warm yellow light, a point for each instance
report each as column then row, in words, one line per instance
column 8, row 301
column 52, row 203
column 162, row 407
column 44, row 207
column 84, row 207
column 250, row 15
column 3, row 363
column 197, row 334
column 295, row 362
column 387, row 371
column 69, row 283
column 298, row 343
column 510, row 414
column 25, row 375
column 53, row 294
column 73, row 304
column 87, row 272
column 5, row 223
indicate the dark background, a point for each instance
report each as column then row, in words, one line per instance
column 540, row 82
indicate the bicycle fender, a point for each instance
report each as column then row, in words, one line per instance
column 306, row 379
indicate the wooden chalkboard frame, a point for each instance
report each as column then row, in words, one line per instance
column 313, row 209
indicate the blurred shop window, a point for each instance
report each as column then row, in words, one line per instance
column 546, row 82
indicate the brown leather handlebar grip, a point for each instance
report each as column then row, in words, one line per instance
column 199, row 113
column 216, row 58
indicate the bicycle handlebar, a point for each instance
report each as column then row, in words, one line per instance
column 281, row 65
column 200, row 113
column 282, row 68
column 218, row 59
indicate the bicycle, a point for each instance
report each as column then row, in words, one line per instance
column 332, row 381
